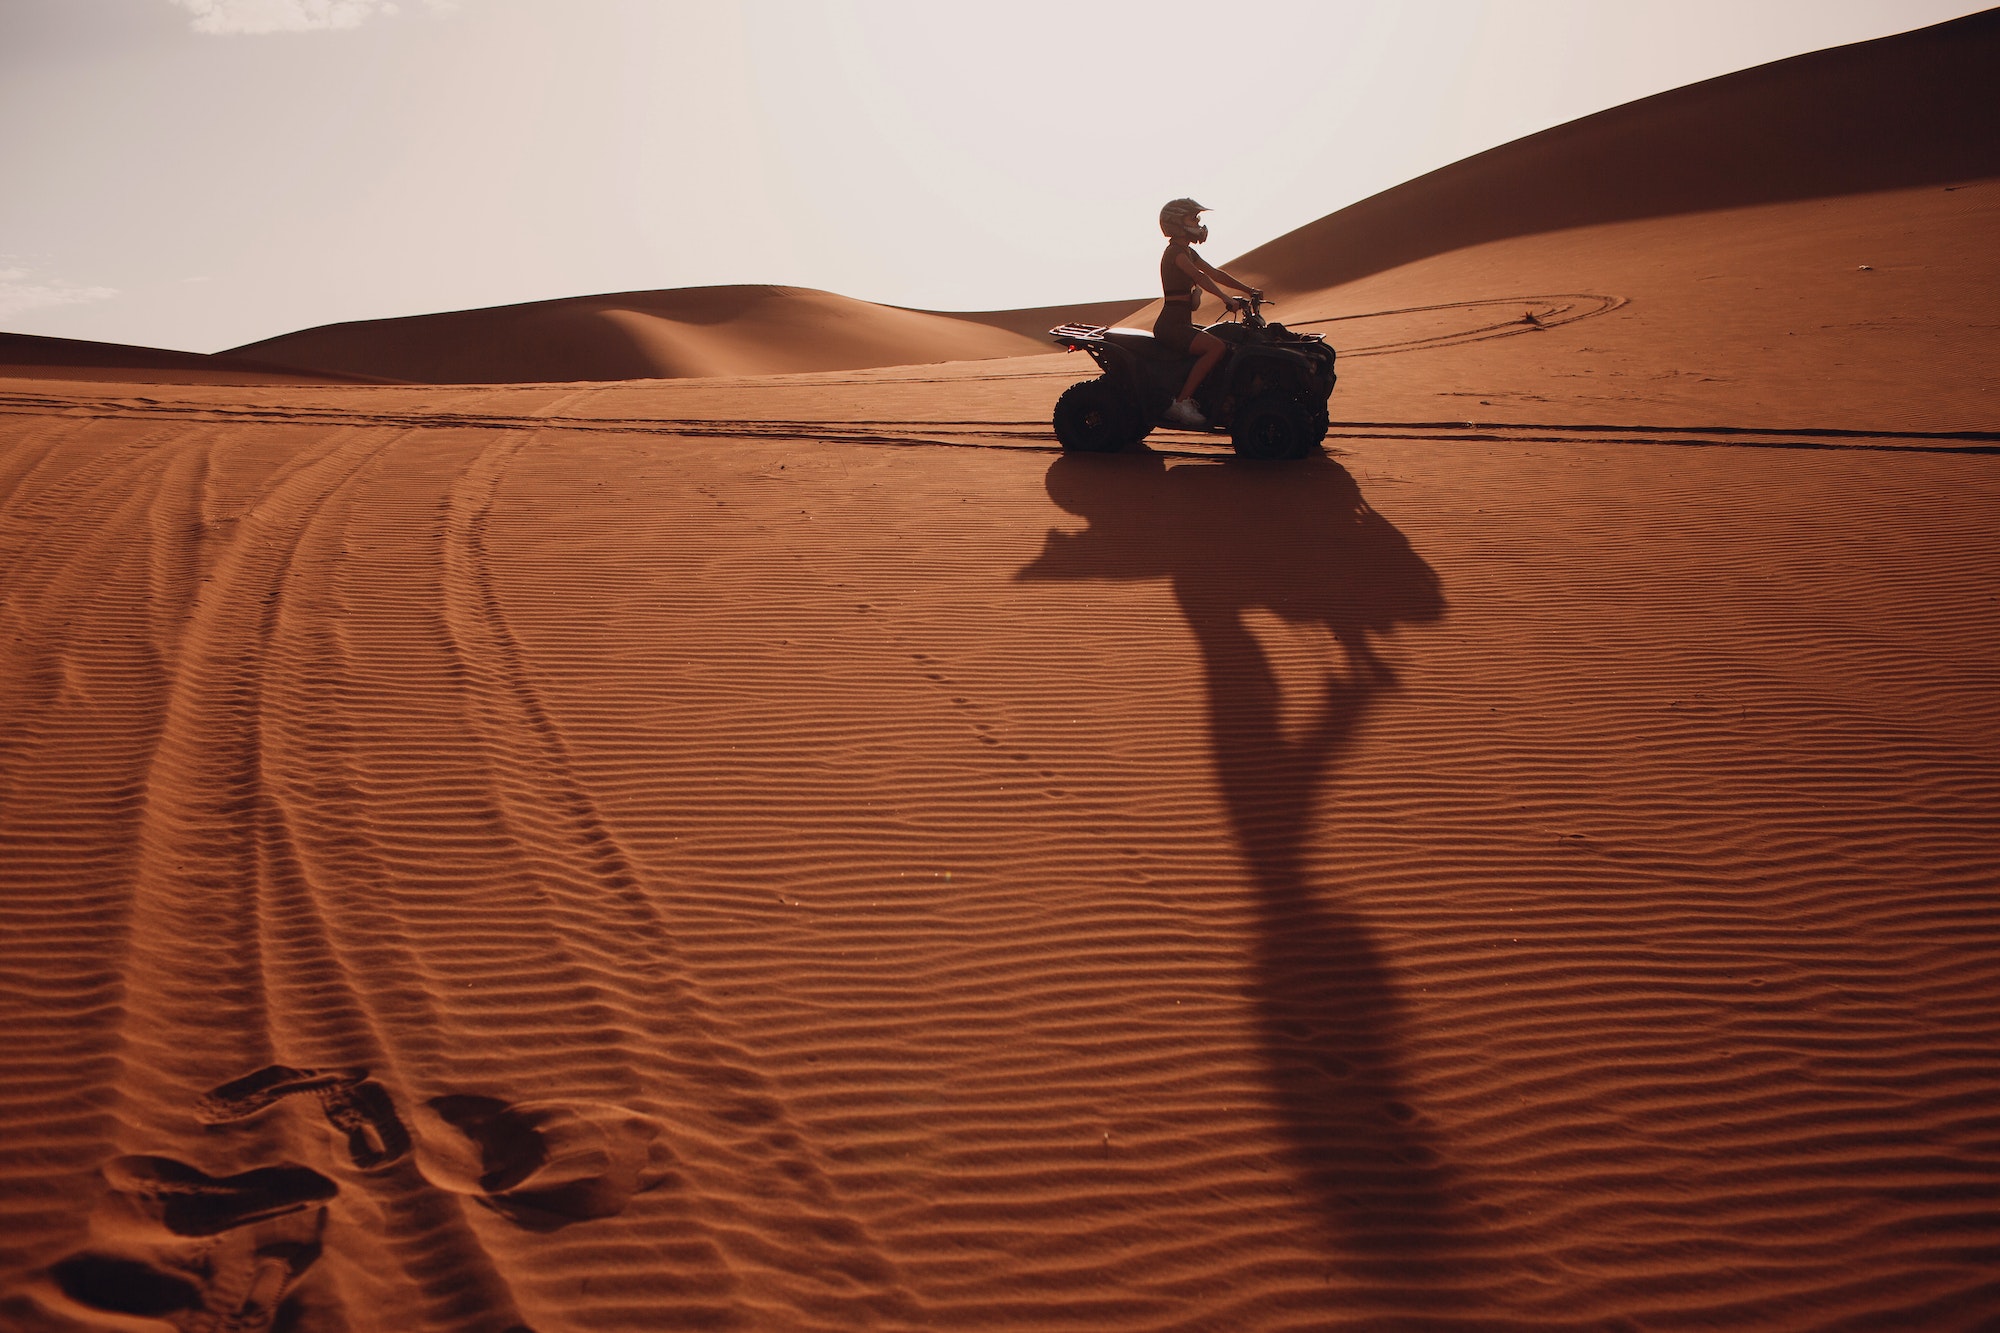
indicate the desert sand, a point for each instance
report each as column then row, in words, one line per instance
column 780, row 850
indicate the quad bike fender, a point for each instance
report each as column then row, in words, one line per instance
column 1274, row 369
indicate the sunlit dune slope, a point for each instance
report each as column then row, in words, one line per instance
column 25, row 355
column 742, row 330
column 1911, row 110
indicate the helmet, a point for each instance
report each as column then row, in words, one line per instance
column 1181, row 220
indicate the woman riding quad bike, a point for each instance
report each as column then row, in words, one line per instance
column 1180, row 269
column 1269, row 391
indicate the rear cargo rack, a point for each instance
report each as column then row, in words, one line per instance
column 1077, row 332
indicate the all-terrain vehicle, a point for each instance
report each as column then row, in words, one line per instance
column 1269, row 391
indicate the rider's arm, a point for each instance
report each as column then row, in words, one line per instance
column 1195, row 271
column 1204, row 270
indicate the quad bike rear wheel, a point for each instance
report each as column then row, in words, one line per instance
column 1277, row 425
column 1092, row 417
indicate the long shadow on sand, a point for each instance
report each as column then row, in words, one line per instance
column 1296, row 540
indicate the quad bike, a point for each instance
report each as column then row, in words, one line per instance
column 1269, row 391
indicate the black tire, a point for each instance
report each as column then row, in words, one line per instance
column 1094, row 418
column 1277, row 425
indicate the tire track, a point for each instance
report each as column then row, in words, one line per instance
column 82, row 689
column 766, row 1198
column 1543, row 313
column 1034, row 436
column 225, row 939
column 327, row 1001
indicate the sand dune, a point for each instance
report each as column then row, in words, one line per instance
column 24, row 355
column 1899, row 113
column 795, row 851
column 660, row 335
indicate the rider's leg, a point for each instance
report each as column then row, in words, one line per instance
column 1208, row 350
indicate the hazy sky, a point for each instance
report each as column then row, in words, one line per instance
column 201, row 173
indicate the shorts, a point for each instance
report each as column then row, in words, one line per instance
column 1174, row 328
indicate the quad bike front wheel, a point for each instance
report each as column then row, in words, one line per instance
column 1277, row 425
column 1092, row 417
column 1322, row 422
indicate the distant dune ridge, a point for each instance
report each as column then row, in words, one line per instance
column 746, row 850
column 692, row 331
column 30, row 356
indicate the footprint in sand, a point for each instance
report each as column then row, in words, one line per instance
column 354, row 1104
column 116, row 1284
column 189, row 1202
column 205, row 1252
column 542, row 1165
column 221, row 1254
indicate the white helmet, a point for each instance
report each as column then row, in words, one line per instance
column 1181, row 220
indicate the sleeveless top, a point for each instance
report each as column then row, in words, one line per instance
column 1175, row 324
column 1174, row 281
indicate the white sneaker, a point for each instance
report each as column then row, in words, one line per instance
column 1185, row 413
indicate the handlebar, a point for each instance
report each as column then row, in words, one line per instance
column 1254, row 303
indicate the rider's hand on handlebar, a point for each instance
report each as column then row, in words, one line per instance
column 1236, row 303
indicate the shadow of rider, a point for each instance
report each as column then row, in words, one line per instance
column 1298, row 541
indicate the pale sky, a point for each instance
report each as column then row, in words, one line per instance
column 198, row 174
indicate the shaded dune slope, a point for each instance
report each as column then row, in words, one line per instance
column 1914, row 109
column 694, row 331
column 29, row 356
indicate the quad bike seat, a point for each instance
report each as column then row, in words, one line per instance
column 1139, row 340
column 1143, row 344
